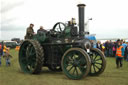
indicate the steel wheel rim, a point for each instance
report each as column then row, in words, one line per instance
column 27, row 57
column 98, row 62
column 75, row 65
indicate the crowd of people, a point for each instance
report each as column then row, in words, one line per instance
column 118, row 49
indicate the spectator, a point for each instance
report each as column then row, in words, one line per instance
column 126, row 51
column 110, row 46
column 4, row 49
column 7, row 57
column 99, row 45
column 103, row 48
column 124, row 46
column 121, row 41
column 106, row 49
column 116, row 44
column 119, row 55
column 114, row 49
column 1, row 53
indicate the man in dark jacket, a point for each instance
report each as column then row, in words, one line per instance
column 110, row 48
column 41, row 30
column 106, row 48
column 30, row 32
column 126, row 51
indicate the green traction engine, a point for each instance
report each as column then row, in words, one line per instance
column 63, row 48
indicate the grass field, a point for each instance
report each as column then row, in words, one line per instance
column 13, row 76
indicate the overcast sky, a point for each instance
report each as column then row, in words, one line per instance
column 110, row 17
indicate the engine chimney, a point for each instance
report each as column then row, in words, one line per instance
column 81, row 19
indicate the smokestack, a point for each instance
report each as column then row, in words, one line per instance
column 81, row 19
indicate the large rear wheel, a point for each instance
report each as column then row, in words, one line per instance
column 75, row 63
column 31, row 56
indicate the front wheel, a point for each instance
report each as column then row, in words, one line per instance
column 75, row 63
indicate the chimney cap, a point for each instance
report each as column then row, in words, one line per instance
column 79, row 5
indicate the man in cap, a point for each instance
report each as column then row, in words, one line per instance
column 30, row 32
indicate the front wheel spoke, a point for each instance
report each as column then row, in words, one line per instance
column 74, row 70
column 81, row 68
column 81, row 61
column 69, row 58
column 67, row 65
column 70, row 69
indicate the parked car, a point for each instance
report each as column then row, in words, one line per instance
column 11, row 44
column 16, row 39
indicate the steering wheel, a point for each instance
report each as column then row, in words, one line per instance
column 59, row 27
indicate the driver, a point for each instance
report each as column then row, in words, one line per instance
column 41, row 30
column 30, row 32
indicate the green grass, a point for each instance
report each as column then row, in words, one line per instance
column 13, row 76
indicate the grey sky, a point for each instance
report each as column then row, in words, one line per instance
column 110, row 17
